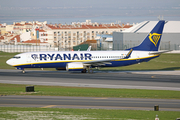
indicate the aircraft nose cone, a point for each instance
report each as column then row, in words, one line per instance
column 9, row 62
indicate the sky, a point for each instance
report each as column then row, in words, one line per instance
column 102, row 10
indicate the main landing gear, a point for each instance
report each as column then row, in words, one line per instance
column 89, row 69
column 83, row 71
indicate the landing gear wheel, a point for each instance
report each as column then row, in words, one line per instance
column 83, row 71
column 23, row 71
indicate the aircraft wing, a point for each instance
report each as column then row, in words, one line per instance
column 106, row 61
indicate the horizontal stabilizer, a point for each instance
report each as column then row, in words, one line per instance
column 159, row 52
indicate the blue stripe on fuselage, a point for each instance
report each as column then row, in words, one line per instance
column 63, row 64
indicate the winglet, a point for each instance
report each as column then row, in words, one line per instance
column 129, row 54
column 89, row 48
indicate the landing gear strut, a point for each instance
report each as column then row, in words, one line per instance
column 83, row 71
column 23, row 71
column 90, row 70
column 19, row 68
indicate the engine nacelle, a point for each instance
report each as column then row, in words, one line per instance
column 74, row 66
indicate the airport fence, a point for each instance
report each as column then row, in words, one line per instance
column 103, row 46
column 26, row 48
column 163, row 46
column 169, row 46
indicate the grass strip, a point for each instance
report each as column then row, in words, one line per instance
column 15, row 89
column 88, row 114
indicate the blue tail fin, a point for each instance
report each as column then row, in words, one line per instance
column 152, row 41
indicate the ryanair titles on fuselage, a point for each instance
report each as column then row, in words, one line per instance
column 63, row 56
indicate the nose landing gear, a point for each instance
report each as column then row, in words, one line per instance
column 19, row 68
column 23, row 71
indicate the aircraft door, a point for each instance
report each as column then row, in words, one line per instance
column 28, row 58
column 137, row 57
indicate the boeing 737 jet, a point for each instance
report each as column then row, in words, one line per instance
column 85, row 60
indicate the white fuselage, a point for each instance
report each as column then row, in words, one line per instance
column 45, row 59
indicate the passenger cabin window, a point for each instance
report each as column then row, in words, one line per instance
column 17, row 57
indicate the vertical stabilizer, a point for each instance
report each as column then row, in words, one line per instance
column 152, row 41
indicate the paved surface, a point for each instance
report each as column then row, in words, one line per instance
column 89, row 102
column 157, row 80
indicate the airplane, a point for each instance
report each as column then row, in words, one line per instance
column 86, row 60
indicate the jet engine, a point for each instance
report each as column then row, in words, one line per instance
column 74, row 66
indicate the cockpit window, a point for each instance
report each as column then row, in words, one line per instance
column 17, row 57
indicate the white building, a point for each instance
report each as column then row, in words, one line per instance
column 67, row 36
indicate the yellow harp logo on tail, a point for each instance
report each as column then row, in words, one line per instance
column 154, row 38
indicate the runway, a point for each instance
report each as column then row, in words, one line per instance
column 165, row 80
column 89, row 102
column 155, row 80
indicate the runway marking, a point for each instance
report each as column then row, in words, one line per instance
column 49, row 106
column 100, row 98
column 152, row 76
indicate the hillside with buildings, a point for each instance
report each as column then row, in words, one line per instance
column 62, row 36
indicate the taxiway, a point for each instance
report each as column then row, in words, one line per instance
column 165, row 80
column 89, row 102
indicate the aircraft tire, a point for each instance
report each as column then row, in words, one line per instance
column 83, row 71
column 23, row 71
